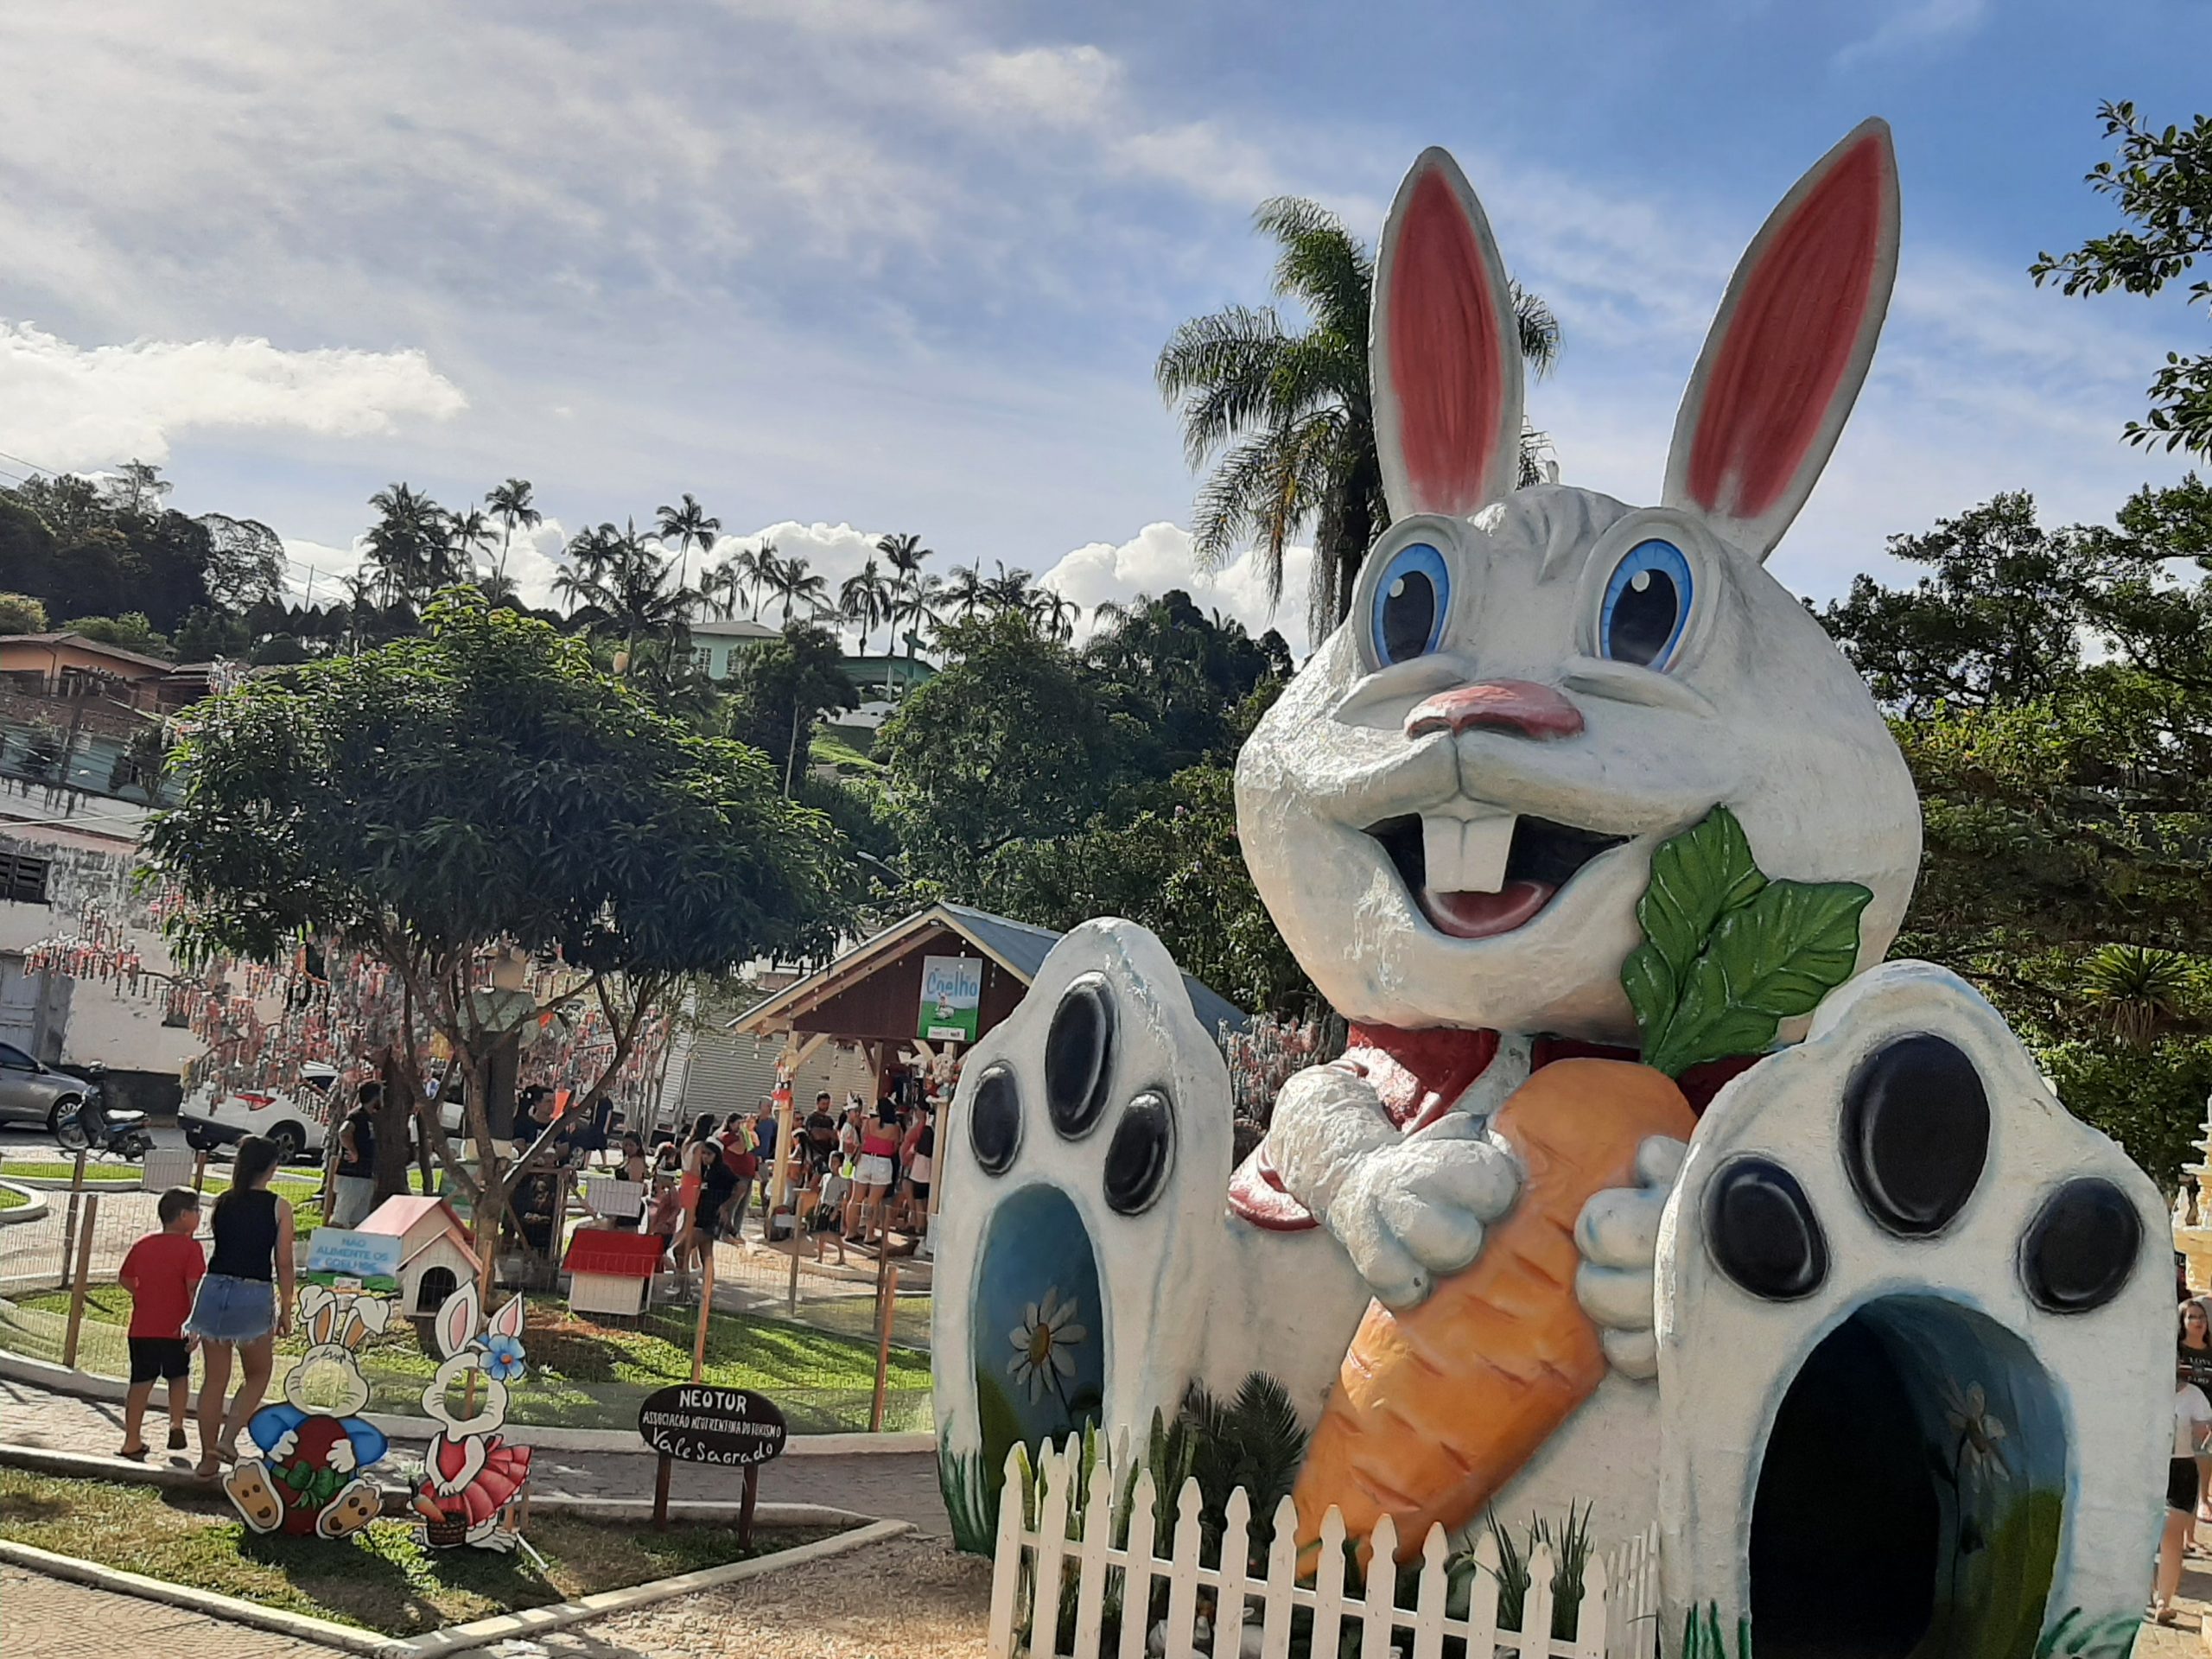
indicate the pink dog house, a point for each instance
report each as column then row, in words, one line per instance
column 436, row 1257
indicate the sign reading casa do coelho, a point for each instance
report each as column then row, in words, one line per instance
column 695, row 1422
column 952, row 993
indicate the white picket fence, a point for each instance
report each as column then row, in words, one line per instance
column 1224, row 1611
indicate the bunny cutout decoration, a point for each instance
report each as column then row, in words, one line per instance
column 312, row 1476
column 475, row 1483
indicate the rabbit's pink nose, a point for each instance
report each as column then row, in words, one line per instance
column 1518, row 706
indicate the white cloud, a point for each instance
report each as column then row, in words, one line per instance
column 1159, row 557
column 66, row 407
column 1917, row 24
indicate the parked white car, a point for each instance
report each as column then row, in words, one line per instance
column 294, row 1121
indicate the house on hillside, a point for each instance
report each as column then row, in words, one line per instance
column 715, row 643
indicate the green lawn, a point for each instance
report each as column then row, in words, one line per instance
column 381, row 1578
column 10, row 1199
column 33, row 1170
column 828, row 750
column 583, row 1372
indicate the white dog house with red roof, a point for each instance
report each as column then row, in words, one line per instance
column 611, row 1272
column 436, row 1256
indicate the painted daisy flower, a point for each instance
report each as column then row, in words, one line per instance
column 1041, row 1342
column 502, row 1362
column 1978, row 1428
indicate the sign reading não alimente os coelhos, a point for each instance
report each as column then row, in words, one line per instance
column 697, row 1422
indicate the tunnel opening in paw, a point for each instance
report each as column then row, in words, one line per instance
column 1038, row 1325
column 1909, row 1499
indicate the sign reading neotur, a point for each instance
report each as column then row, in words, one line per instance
column 696, row 1423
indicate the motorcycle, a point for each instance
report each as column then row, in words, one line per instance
column 93, row 1126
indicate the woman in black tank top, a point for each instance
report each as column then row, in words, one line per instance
column 244, row 1303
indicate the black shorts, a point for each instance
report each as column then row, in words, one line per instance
column 2181, row 1485
column 168, row 1358
column 920, row 1190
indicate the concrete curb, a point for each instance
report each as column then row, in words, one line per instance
column 452, row 1638
column 33, row 1210
column 299, row 1626
column 84, row 1466
column 87, row 1385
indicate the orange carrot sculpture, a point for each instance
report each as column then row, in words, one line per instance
column 1439, row 1404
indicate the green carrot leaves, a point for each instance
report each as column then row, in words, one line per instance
column 1728, row 955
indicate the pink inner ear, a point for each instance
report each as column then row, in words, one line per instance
column 1790, row 341
column 1443, row 352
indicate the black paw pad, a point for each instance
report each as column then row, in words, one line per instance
column 994, row 1120
column 1763, row 1233
column 1140, row 1154
column 2081, row 1248
column 1915, row 1133
column 1079, row 1056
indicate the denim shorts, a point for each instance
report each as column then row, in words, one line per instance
column 233, row 1310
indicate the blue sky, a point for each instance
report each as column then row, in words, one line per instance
column 846, row 266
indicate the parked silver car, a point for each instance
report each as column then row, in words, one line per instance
column 31, row 1093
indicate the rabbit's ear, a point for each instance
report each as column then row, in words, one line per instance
column 1444, row 350
column 456, row 1321
column 1791, row 348
column 507, row 1322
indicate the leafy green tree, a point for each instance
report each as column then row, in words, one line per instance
column 1994, row 621
column 1173, row 681
column 2161, row 183
column 630, row 598
column 1007, row 741
column 246, row 560
column 208, row 634
column 479, row 788
column 780, row 689
column 1177, row 866
column 131, row 631
column 2062, row 745
column 21, row 614
column 1283, row 415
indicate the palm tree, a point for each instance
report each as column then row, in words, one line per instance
column 511, row 504
column 967, row 592
column 796, row 585
column 723, row 586
column 866, row 599
column 2142, row 989
column 688, row 526
column 466, row 533
column 1054, row 613
column 407, row 544
column 753, row 565
column 1009, row 590
column 918, row 606
column 629, row 596
column 1283, row 414
column 498, row 587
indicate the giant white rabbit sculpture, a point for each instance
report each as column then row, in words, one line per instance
column 1641, row 1184
column 474, row 1482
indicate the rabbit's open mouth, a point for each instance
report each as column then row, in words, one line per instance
column 1540, row 858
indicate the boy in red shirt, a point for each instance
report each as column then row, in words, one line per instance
column 162, row 1272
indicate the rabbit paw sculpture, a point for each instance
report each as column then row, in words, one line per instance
column 474, row 1482
column 312, row 1476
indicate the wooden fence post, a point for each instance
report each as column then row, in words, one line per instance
column 69, row 1227
column 886, row 1303
column 84, row 1272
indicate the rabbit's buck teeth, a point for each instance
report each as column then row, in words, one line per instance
column 1467, row 853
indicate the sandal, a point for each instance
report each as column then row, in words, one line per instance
column 207, row 1468
column 135, row 1454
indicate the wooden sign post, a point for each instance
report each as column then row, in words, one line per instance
column 734, row 1429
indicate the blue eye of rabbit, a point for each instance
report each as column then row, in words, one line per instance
column 1410, row 603
column 1647, row 602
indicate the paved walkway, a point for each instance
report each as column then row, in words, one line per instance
column 47, row 1618
column 896, row 1486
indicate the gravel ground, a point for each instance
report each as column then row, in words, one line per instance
column 905, row 1599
